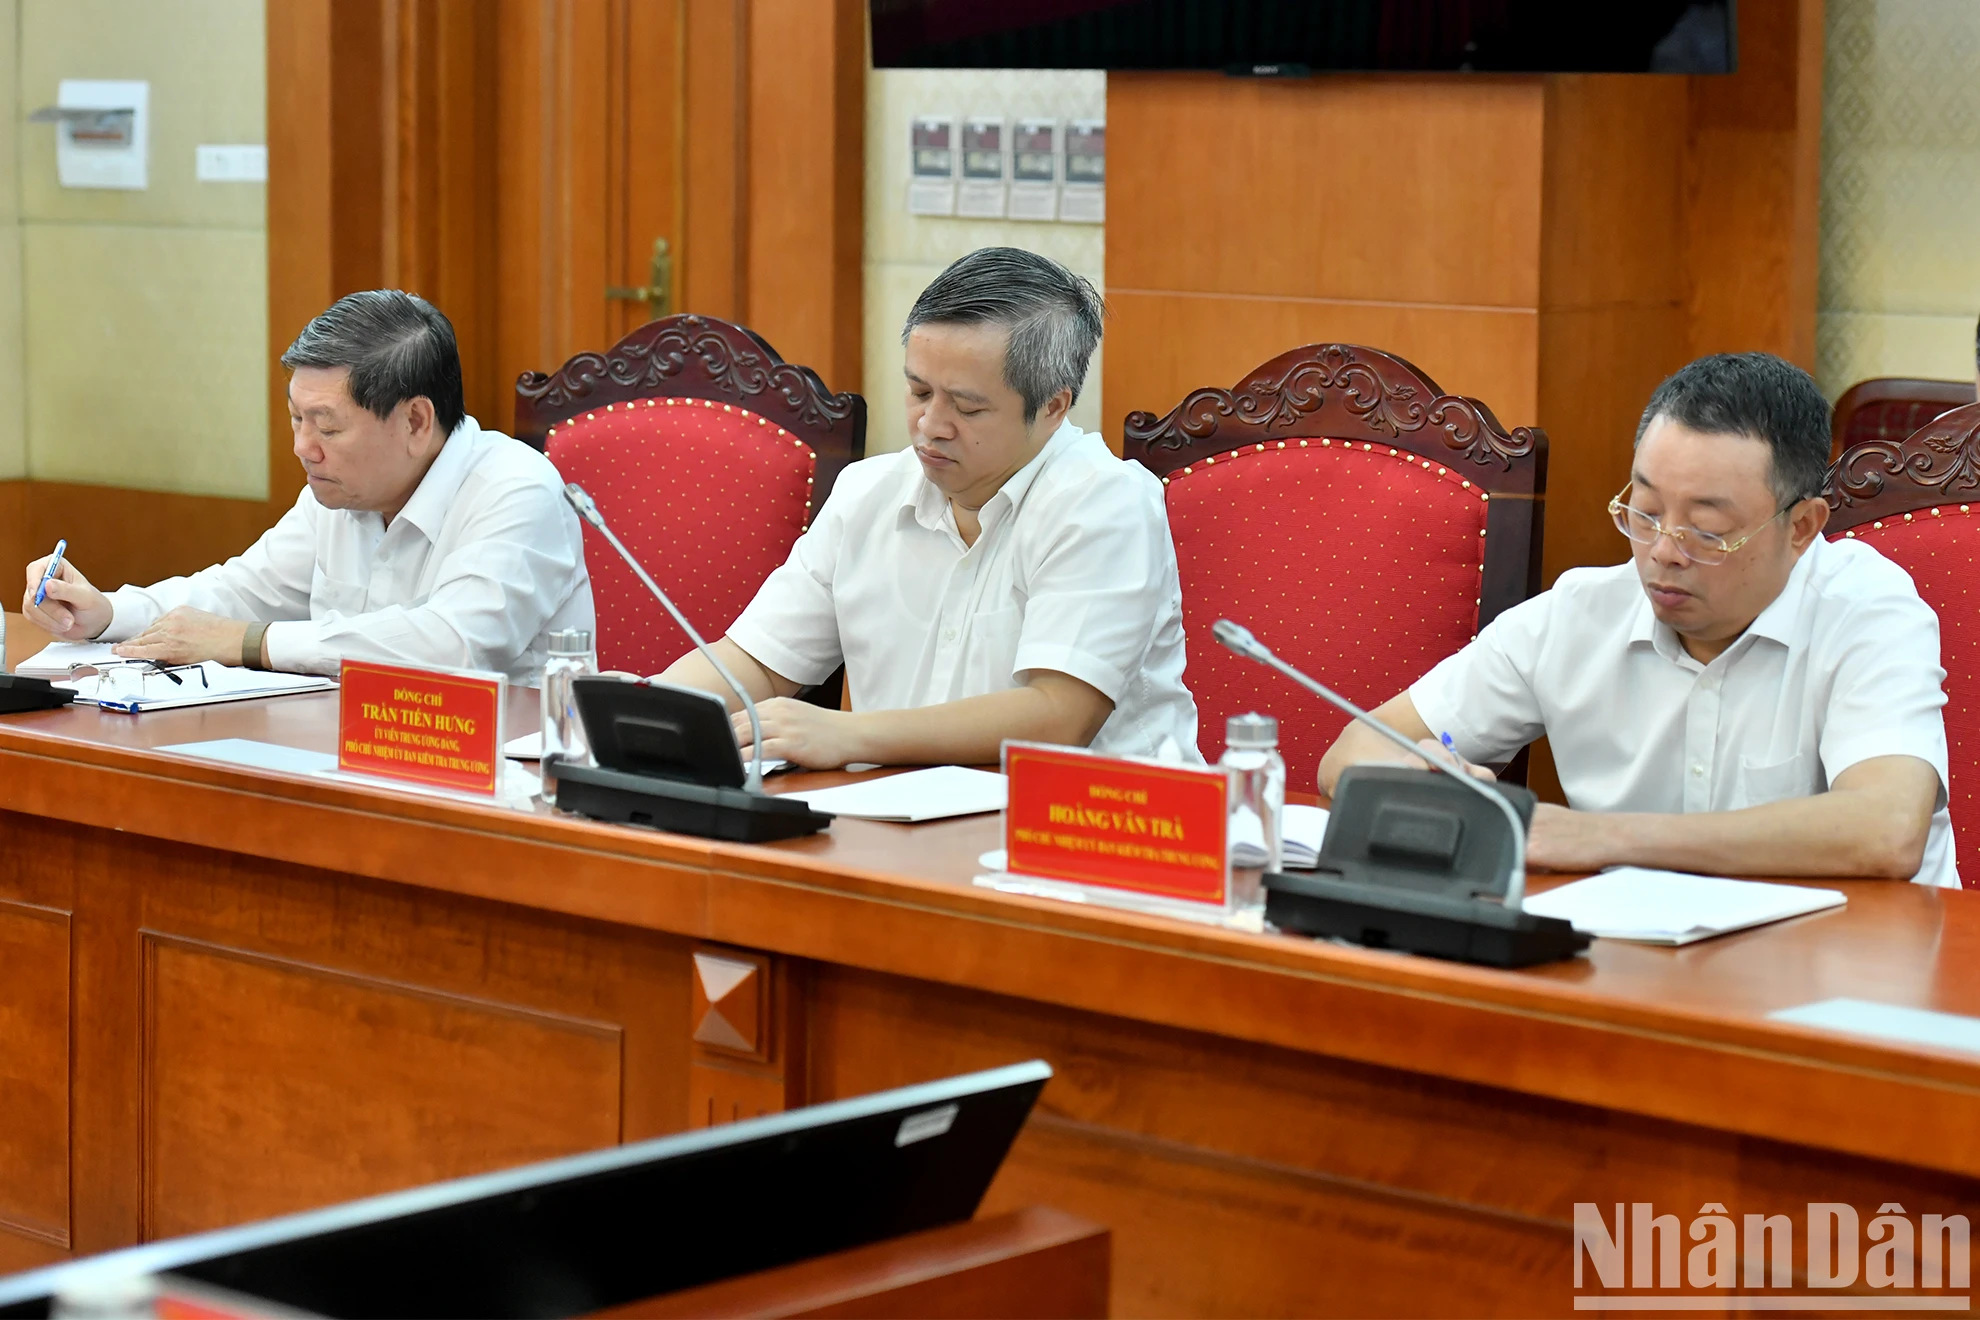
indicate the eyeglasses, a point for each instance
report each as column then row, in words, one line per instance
column 1698, row 547
column 134, row 677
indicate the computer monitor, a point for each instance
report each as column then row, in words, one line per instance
column 590, row 1231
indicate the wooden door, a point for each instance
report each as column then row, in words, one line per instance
column 511, row 160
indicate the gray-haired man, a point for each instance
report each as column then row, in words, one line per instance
column 1005, row 576
column 419, row 538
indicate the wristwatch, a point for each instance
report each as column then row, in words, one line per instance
column 251, row 645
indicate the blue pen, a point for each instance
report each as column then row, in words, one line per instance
column 54, row 567
column 1449, row 746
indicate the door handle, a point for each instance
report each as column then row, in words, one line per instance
column 658, row 291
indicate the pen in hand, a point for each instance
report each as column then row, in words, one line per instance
column 48, row 574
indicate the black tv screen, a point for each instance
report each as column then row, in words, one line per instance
column 1295, row 36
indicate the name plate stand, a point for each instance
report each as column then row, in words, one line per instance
column 438, row 727
column 1119, row 831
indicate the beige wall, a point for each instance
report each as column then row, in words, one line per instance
column 145, row 313
column 904, row 252
column 13, row 431
column 1900, row 191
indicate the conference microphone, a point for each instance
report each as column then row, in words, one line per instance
column 1239, row 639
column 587, row 509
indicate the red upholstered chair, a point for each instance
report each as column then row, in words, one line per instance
column 1361, row 521
column 1891, row 408
column 708, row 454
column 1917, row 500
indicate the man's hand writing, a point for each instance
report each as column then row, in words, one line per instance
column 74, row 611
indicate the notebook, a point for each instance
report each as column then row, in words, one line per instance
column 222, row 683
column 58, row 659
column 1300, row 832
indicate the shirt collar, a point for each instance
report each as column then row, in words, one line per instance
column 434, row 496
column 931, row 507
column 1779, row 622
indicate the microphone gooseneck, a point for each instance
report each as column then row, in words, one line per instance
column 587, row 509
column 1238, row 638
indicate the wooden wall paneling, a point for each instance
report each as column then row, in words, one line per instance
column 1218, row 1163
column 1161, row 345
column 34, row 1072
column 438, row 231
column 141, row 536
column 1752, row 189
column 272, row 1085
column 307, row 1037
column 646, row 130
column 1612, row 291
column 806, row 162
column 16, row 543
column 325, row 218
column 1251, row 217
column 747, row 1035
column 713, row 262
column 1379, row 189
column 552, row 181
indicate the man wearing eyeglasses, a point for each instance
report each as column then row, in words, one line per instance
column 1742, row 697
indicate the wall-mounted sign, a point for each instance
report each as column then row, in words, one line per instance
column 932, row 165
column 984, row 163
column 1035, row 170
column 1084, row 197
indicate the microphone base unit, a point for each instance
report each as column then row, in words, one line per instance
column 1387, row 916
column 729, row 814
column 19, row 693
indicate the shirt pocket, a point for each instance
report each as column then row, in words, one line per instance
column 1773, row 781
column 331, row 598
column 990, row 651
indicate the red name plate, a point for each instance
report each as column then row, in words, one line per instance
column 420, row 725
column 1152, row 829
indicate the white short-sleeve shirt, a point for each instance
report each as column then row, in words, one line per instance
column 480, row 567
column 1074, row 572
column 1843, row 666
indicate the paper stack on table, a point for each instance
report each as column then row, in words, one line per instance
column 221, row 683
column 1670, row 907
column 944, row 790
column 1300, row 833
column 57, row 659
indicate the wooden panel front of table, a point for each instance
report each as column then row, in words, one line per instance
column 226, row 994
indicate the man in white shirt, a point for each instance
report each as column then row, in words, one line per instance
column 1005, row 576
column 1743, row 697
column 419, row 539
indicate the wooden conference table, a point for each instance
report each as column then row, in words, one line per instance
column 227, row 993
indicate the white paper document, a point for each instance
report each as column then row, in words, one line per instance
column 212, row 683
column 529, row 747
column 944, row 790
column 515, row 787
column 1670, row 907
column 57, row 659
column 258, row 755
column 1912, row 1026
column 1300, row 832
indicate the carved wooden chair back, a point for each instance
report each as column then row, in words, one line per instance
column 1917, row 501
column 1364, row 523
column 706, row 451
column 1891, row 408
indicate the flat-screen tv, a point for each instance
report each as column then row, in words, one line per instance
column 575, row 1235
column 1298, row 36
